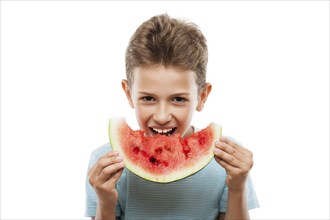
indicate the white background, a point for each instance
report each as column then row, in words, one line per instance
column 61, row 66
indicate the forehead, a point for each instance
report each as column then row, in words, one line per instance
column 158, row 78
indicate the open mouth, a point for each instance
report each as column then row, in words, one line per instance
column 167, row 132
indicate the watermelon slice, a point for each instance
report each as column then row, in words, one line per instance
column 163, row 158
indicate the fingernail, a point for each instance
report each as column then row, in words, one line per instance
column 119, row 159
column 217, row 143
column 216, row 150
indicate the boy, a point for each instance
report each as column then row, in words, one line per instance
column 166, row 63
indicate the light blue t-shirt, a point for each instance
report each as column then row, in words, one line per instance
column 201, row 196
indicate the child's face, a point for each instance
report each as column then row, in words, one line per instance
column 164, row 99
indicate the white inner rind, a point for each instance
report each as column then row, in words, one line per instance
column 114, row 127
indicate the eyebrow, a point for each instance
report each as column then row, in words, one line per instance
column 176, row 94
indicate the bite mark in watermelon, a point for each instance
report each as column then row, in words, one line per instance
column 163, row 158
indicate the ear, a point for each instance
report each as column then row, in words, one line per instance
column 124, row 85
column 203, row 97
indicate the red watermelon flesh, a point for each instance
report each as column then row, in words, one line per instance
column 163, row 158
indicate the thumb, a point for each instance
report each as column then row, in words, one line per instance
column 114, row 178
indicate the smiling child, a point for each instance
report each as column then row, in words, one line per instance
column 166, row 62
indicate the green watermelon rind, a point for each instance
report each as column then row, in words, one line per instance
column 113, row 129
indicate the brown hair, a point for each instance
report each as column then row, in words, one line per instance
column 169, row 42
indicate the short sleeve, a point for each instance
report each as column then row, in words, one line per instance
column 91, row 199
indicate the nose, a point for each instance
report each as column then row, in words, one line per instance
column 162, row 114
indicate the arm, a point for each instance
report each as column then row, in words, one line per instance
column 237, row 161
column 103, row 177
column 237, row 207
column 106, row 212
column 221, row 216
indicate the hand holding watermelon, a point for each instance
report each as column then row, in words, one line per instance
column 103, row 177
column 237, row 161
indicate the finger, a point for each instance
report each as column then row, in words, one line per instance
column 230, row 159
column 245, row 157
column 111, row 182
column 244, row 152
column 230, row 142
column 116, row 176
column 105, row 160
column 227, row 148
column 230, row 150
column 229, row 168
column 110, row 171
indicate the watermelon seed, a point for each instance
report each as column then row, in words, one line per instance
column 202, row 140
column 168, row 148
column 153, row 160
column 159, row 150
column 165, row 163
column 144, row 153
column 186, row 149
column 136, row 150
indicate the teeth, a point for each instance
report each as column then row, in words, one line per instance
column 160, row 131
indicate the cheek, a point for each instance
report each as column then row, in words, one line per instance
column 184, row 114
column 143, row 114
column 144, row 110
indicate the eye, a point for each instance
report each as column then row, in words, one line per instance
column 148, row 99
column 179, row 99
